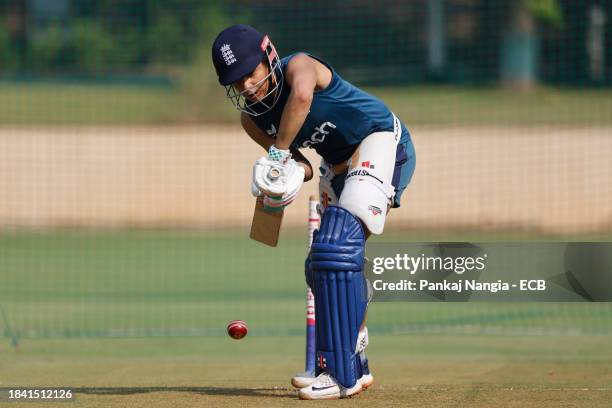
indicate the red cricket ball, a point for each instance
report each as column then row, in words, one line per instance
column 237, row 329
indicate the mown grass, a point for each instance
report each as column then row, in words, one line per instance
column 182, row 283
column 97, row 104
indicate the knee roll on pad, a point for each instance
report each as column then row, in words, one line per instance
column 336, row 262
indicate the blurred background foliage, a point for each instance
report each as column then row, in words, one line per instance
column 138, row 36
column 520, row 45
column 104, row 36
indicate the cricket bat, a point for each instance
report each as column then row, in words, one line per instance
column 266, row 225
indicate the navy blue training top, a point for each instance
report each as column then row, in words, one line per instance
column 340, row 117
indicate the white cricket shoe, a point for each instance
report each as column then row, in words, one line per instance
column 326, row 387
column 366, row 380
column 306, row 378
column 303, row 379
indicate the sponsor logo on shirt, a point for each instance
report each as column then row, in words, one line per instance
column 319, row 135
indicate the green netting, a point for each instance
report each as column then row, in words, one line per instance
column 508, row 102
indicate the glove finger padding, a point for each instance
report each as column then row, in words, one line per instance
column 254, row 190
column 275, row 179
column 278, row 202
column 274, row 204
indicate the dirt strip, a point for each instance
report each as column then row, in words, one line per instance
column 544, row 178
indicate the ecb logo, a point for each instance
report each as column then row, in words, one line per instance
column 228, row 54
column 319, row 135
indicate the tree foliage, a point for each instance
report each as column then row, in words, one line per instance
column 106, row 36
column 548, row 11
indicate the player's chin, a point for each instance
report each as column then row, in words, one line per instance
column 260, row 95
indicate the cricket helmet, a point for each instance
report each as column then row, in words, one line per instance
column 236, row 52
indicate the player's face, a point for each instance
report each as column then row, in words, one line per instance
column 254, row 86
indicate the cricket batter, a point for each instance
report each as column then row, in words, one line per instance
column 367, row 161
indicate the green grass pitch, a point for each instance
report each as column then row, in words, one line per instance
column 410, row 371
column 137, row 319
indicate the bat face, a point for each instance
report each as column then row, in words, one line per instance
column 265, row 227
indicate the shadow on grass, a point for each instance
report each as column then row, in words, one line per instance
column 281, row 392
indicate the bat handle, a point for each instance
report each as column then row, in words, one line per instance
column 274, row 173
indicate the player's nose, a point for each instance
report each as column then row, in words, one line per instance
column 248, row 82
column 243, row 84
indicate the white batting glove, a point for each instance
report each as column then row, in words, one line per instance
column 254, row 190
column 326, row 171
column 274, row 204
column 277, row 180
